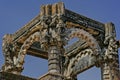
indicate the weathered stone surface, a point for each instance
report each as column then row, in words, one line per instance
column 51, row 76
column 9, row 76
column 46, row 35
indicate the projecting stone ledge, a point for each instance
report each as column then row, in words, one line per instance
column 9, row 76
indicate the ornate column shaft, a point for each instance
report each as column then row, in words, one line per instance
column 54, row 59
column 52, row 40
column 110, row 67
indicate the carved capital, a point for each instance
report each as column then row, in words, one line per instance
column 53, row 32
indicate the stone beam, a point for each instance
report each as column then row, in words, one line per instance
column 75, row 47
column 70, row 50
column 71, row 16
column 33, row 51
column 24, row 30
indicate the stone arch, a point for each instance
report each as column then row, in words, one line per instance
column 77, row 65
column 91, row 59
column 35, row 37
column 87, row 37
column 76, row 62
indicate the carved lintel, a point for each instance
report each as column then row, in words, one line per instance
column 84, row 21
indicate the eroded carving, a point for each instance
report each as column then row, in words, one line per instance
column 52, row 29
column 21, row 55
column 110, row 64
column 10, row 52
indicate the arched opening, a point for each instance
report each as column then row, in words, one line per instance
column 82, row 53
column 91, row 74
column 23, row 50
column 71, row 42
column 35, row 67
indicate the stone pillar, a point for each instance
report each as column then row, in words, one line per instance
column 10, row 52
column 54, row 63
column 54, row 60
column 110, row 71
column 52, row 40
column 110, row 65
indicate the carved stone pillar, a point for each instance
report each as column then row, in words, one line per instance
column 110, row 67
column 53, row 40
column 54, row 59
column 10, row 52
column 110, row 71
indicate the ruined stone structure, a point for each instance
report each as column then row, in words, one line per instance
column 46, row 37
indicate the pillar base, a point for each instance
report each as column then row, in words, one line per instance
column 52, row 76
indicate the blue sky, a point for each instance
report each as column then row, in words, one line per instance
column 16, row 13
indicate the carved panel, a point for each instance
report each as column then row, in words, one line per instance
column 77, row 64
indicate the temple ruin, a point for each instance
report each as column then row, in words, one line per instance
column 46, row 36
